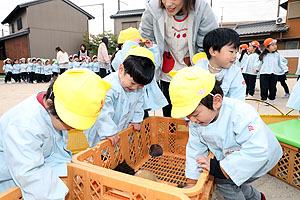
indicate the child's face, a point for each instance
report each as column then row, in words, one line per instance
column 203, row 115
column 173, row 6
column 40, row 62
column 8, row 62
column 127, row 81
column 76, row 59
column 225, row 57
column 272, row 47
column 95, row 60
column 251, row 49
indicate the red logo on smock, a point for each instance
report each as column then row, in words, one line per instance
column 250, row 128
column 244, row 82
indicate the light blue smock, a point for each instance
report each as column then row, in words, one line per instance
column 239, row 139
column 34, row 67
column 55, row 68
column 39, row 69
column 251, row 64
column 294, row 100
column 96, row 68
column 16, row 69
column 7, row 68
column 241, row 64
column 48, row 69
column 23, row 67
column 76, row 64
column 91, row 66
column 32, row 152
column 233, row 83
column 120, row 109
column 154, row 99
column 29, row 67
column 84, row 65
column 272, row 63
column 70, row 66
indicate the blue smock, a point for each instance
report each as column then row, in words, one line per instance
column 298, row 69
column 32, row 152
column 243, row 61
column 55, row 68
column 29, row 67
column 120, row 109
column 233, row 83
column 16, row 69
column 7, row 68
column 39, row 69
column 294, row 100
column 154, row 99
column 76, row 64
column 251, row 64
column 272, row 63
column 96, row 68
column 240, row 140
column 48, row 69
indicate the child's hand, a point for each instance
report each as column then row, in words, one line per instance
column 114, row 139
column 255, row 71
column 136, row 126
column 148, row 43
column 204, row 162
column 137, row 40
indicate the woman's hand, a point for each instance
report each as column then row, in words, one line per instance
column 204, row 162
column 148, row 43
column 114, row 139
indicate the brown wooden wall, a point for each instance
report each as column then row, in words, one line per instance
column 292, row 65
column 17, row 47
column 1, row 67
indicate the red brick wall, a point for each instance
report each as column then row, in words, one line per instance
column 17, row 47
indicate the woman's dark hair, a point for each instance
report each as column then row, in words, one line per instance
column 218, row 38
column 141, row 69
column 187, row 6
column 208, row 100
column 105, row 41
column 59, row 49
column 242, row 55
column 83, row 45
column 50, row 95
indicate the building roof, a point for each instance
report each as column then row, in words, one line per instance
column 260, row 28
column 128, row 13
column 35, row 2
column 14, row 35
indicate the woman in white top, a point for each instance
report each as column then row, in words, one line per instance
column 62, row 59
column 103, row 58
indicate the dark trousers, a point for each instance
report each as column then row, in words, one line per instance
column 281, row 79
column 47, row 78
column 30, row 77
column 165, row 89
column 268, row 88
column 24, row 76
column 17, row 77
column 54, row 74
column 62, row 70
column 8, row 76
column 298, row 77
column 102, row 72
column 250, row 83
column 38, row 78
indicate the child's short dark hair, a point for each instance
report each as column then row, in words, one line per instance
column 50, row 95
column 208, row 100
column 141, row 69
column 219, row 38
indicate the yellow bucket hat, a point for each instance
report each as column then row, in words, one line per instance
column 198, row 56
column 78, row 96
column 142, row 52
column 187, row 88
column 129, row 34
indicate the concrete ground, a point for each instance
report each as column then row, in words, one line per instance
column 273, row 188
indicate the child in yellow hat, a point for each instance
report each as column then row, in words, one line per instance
column 33, row 151
column 220, row 47
column 244, row 147
column 124, row 102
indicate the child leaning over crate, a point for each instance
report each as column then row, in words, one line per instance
column 220, row 47
column 154, row 99
column 124, row 102
column 33, row 151
column 244, row 147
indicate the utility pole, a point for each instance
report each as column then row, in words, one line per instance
column 211, row 3
column 278, row 11
column 99, row 4
column 119, row 6
column 222, row 17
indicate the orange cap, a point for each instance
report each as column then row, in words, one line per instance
column 269, row 41
column 255, row 44
column 244, row 47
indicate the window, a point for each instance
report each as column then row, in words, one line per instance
column 12, row 28
column 132, row 24
column 292, row 45
column 19, row 23
column 294, row 10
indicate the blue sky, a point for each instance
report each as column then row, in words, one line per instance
column 233, row 10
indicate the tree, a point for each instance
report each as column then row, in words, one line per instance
column 93, row 41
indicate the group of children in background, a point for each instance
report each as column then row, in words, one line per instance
column 37, row 70
column 268, row 65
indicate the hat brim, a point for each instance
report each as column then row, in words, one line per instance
column 73, row 120
column 183, row 111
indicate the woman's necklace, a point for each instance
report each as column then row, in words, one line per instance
column 214, row 68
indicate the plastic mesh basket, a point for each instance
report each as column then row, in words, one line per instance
column 90, row 184
column 171, row 135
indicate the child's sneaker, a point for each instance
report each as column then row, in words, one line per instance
column 272, row 102
column 287, row 95
column 264, row 103
column 263, row 196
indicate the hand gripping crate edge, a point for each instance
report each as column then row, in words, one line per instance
column 171, row 135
